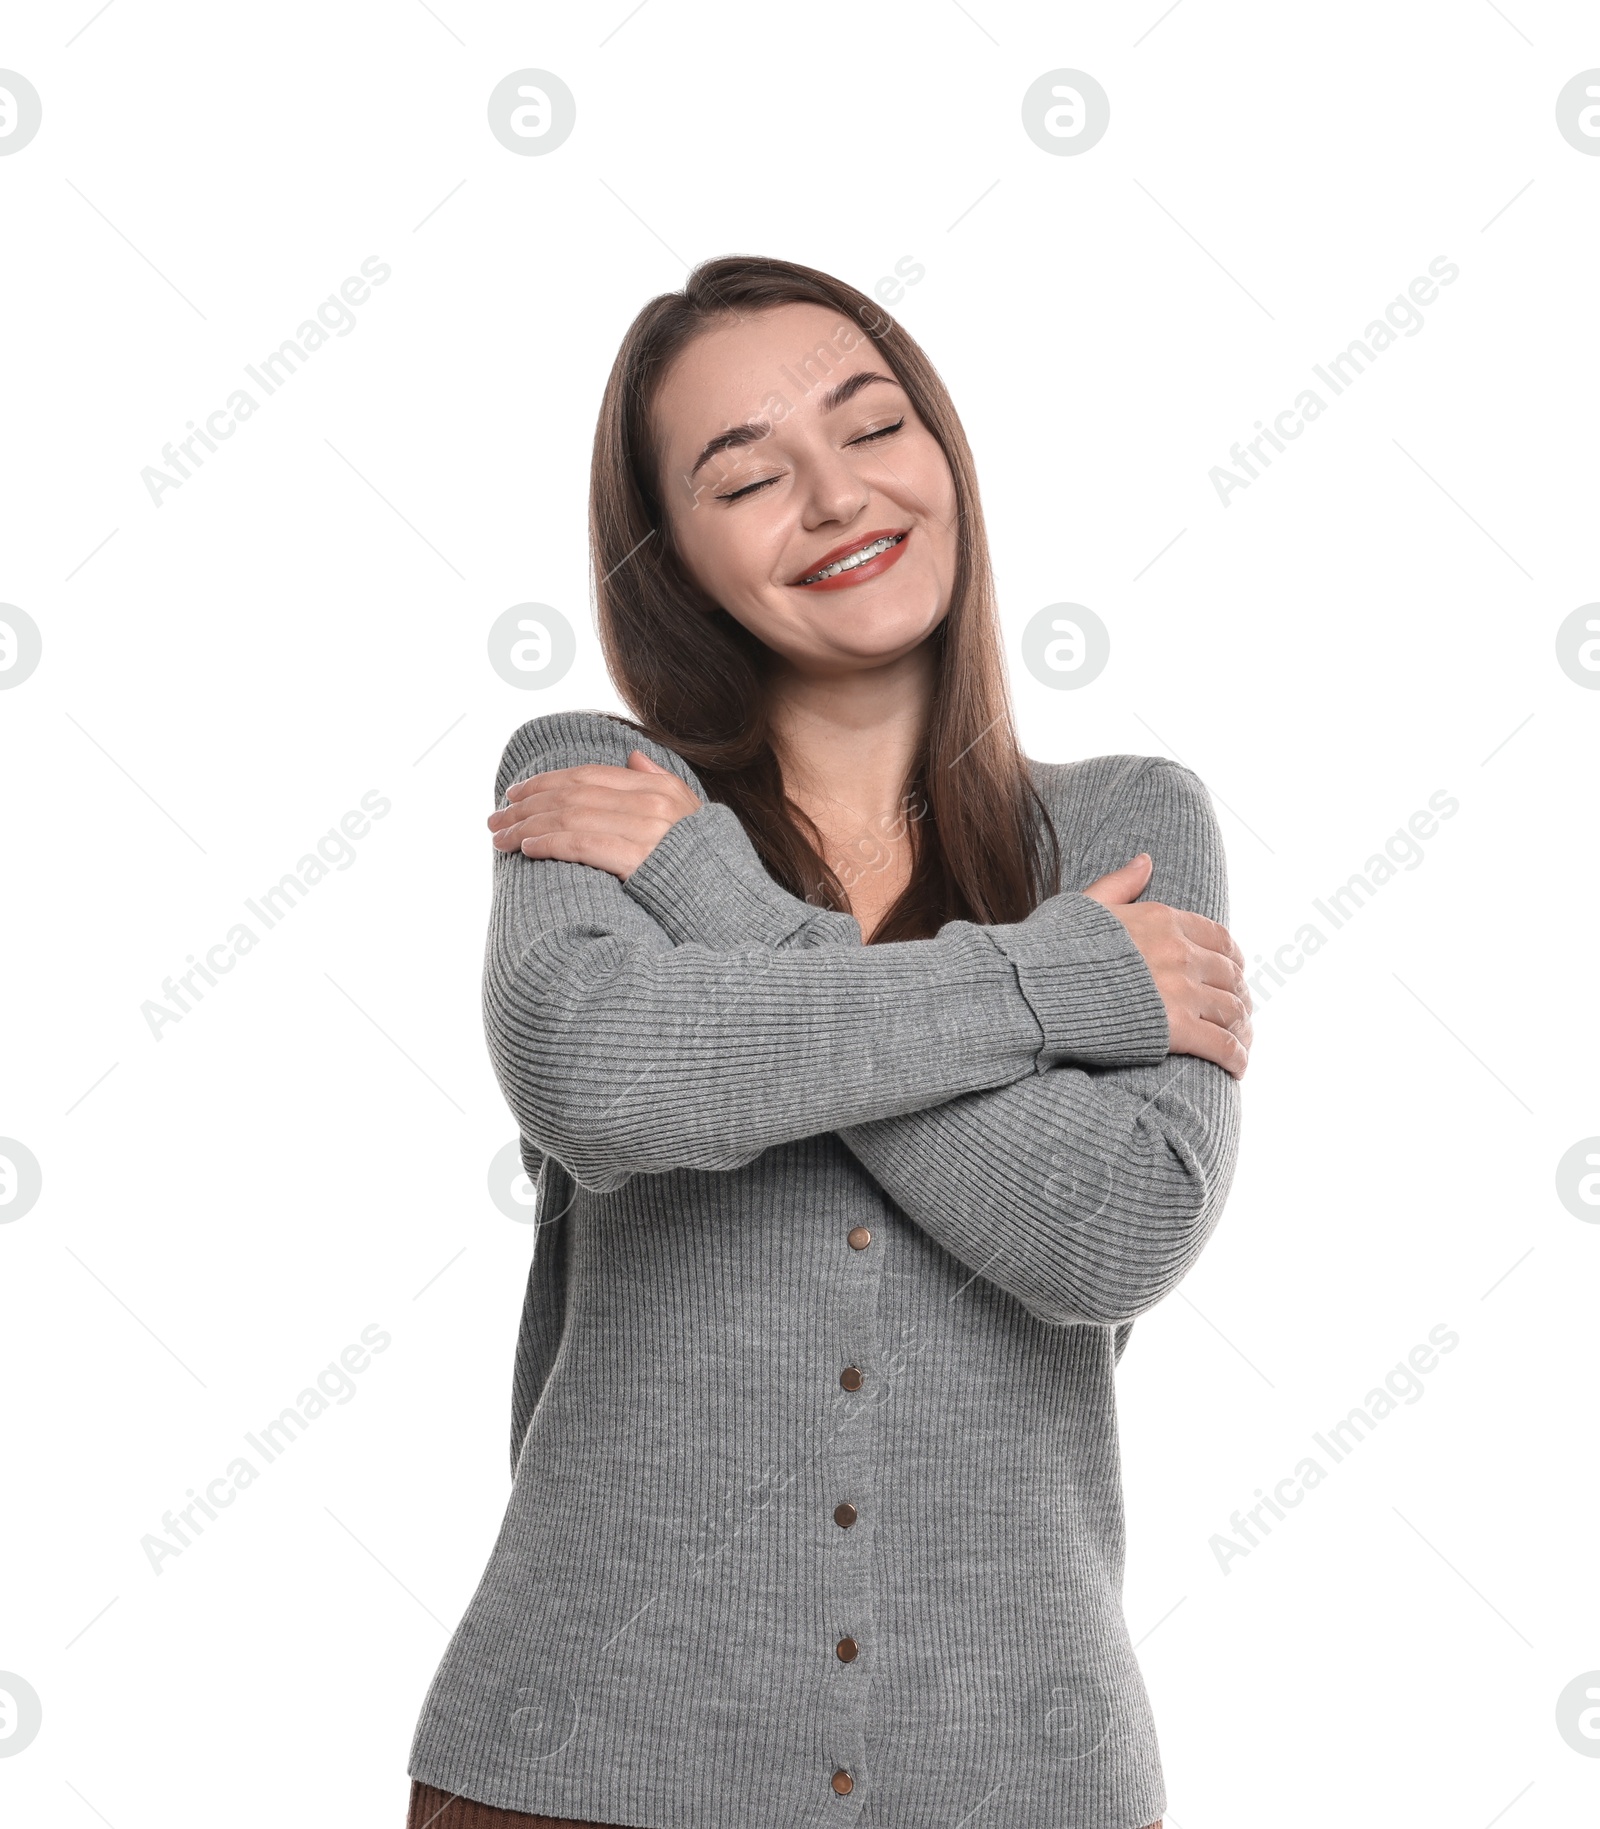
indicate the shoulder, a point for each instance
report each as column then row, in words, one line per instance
column 1094, row 784
column 568, row 739
column 1106, row 809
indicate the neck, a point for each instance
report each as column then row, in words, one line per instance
column 847, row 744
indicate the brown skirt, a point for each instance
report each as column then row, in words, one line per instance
column 432, row 1808
column 435, row 1809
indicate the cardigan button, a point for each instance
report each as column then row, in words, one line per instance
column 859, row 1238
column 846, row 1650
column 843, row 1783
column 845, row 1515
column 850, row 1378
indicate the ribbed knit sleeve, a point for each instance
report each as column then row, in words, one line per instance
column 1085, row 980
column 702, row 881
column 1088, row 1195
column 620, row 1052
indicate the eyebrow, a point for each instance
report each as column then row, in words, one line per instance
column 754, row 430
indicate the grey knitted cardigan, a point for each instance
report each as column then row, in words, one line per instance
column 816, row 1515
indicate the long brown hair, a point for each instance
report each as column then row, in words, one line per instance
column 694, row 676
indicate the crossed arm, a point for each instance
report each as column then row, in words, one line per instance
column 1008, row 1087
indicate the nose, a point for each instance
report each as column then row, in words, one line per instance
column 832, row 491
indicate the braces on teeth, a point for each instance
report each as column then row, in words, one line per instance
column 852, row 560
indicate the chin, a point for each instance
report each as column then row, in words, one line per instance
column 882, row 637
column 904, row 620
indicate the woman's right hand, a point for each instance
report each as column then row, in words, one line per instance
column 1196, row 964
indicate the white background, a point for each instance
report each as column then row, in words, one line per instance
column 1372, row 620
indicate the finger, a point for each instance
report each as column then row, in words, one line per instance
column 1207, row 966
column 533, row 825
column 599, row 833
column 602, row 852
column 1123, row 883
column 1210, row 934
column 546, row 792
column 573, row 792
column 507, row 838
column 541, row 783
column 585, row 772
column 626, row 795
column 1227, row 1011
column 1197, row 1024
column 505, row 816
column 1209, row 1041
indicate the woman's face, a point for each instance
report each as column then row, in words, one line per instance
column 787, row 445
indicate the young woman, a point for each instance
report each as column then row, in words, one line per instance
column 861, row 1136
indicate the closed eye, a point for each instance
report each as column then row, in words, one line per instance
column 748, row 489
column 865, row 439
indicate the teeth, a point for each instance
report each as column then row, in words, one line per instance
column 851, row 560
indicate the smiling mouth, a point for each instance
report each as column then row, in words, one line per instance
column 854, row 559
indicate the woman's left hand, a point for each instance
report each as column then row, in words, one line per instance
column 612, row 818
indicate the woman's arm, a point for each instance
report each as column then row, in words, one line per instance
column 622, row 1053
column 704, row 884
column 1086, row 1195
